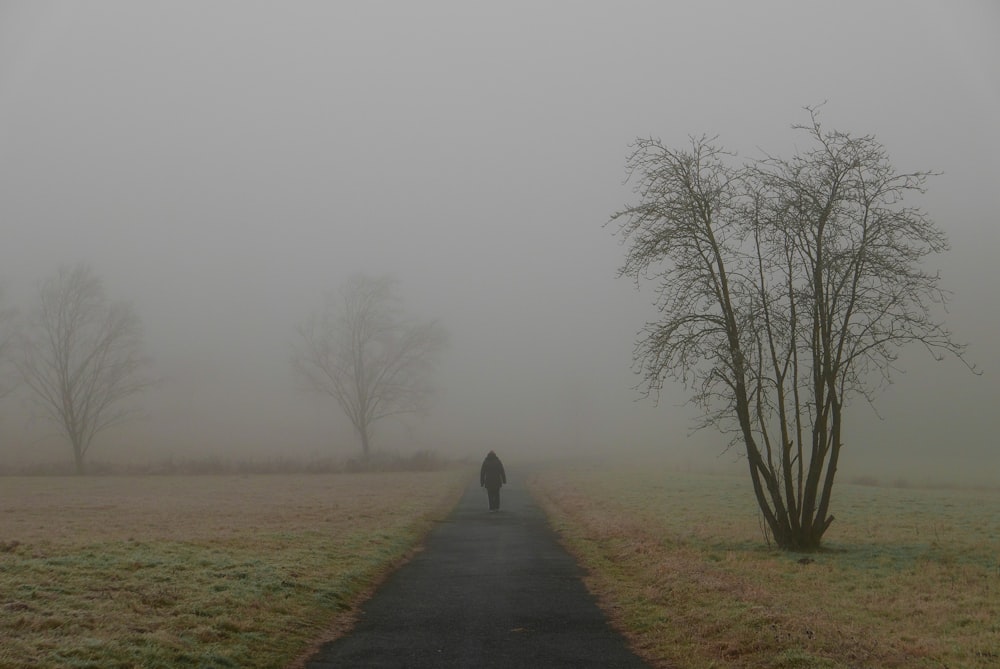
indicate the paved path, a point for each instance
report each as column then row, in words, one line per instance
column 489, row 590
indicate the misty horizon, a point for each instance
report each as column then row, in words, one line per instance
column 222, row 167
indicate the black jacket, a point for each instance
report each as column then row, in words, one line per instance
column 491, row 474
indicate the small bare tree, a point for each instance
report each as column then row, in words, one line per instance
column 81, row 357
column 8, row 340
column 366, row 354
column 785, row 287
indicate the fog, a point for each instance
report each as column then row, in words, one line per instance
column 223, row 165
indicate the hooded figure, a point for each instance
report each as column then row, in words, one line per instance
column 491, row 477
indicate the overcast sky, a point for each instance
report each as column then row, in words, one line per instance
column 224, row 164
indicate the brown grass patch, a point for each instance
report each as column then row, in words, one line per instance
column 911, row 578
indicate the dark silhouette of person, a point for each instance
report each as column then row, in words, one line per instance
column 491, row 477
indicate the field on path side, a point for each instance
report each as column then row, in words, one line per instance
column 199, row 571
column 910, row 578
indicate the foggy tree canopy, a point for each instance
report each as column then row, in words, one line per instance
column 81, row 357
column 367, row 354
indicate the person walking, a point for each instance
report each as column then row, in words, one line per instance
column 491, row 477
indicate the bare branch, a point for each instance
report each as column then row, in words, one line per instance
column 81, row 357
column 362, row 351
column 785, row 287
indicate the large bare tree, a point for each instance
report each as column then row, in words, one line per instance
column 785, row 288
column 365, row 353
column 81, row 357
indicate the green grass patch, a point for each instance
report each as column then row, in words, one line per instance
column 202, row 571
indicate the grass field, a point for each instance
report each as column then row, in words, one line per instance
column 198, row 571
column 248, row 571
column 910, row 577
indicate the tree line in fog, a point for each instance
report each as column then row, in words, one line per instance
column 79, row 357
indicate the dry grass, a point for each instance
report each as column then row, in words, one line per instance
column 910, row 578
column 200, row 571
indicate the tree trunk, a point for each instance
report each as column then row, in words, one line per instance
column 78, row 459
column 365, row 446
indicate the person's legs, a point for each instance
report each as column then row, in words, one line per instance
column 494, row 494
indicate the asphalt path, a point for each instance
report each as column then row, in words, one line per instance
column 488, row 590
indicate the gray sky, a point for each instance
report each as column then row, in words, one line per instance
column 223, row 164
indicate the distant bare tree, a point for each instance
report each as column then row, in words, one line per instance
column 8, row 376
column 362, row 351
column 784, row 288
column 81, row 357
